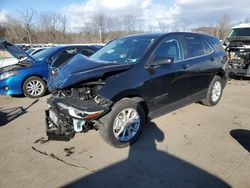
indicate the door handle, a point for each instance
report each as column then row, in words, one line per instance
column 212, row 59
column 185, row 66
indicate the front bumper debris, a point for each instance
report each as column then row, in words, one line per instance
column 67, row 116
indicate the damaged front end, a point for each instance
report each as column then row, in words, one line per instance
column 76, row 105
column 74, row 110
column 239, row 57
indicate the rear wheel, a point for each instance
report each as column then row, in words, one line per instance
column 214, row 92
column 34, row 87
column 123, row 124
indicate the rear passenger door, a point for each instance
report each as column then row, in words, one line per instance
column 199, row 64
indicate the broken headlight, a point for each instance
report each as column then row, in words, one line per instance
column 79, row 114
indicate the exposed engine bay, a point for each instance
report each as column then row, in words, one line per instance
column 238, row 52
column 75, row 110
column 17, row 66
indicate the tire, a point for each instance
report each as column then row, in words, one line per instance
column 38, row 84
column 111, row 135
column 214, row 92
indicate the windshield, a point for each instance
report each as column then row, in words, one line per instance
column 40, row 56
column 239, row 32
column 124, row 50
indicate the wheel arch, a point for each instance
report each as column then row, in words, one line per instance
column 139, row 99
column 37, row 75
column 221, row 73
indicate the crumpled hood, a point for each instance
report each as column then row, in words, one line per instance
column 81, row 68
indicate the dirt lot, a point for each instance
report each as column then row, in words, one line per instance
column 195, row 146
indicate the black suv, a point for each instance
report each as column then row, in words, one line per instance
column 131, row 80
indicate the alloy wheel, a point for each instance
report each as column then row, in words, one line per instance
column 126, row 124
column 35, row 87
column 216, row 91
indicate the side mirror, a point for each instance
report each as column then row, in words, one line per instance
column 161, row 61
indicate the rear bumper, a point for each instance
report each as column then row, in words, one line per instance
column 65, row 117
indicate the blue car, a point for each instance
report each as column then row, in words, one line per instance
column 29, row 75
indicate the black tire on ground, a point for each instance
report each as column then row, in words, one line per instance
column 41, row 84
column 208, row 101
column 107, row 123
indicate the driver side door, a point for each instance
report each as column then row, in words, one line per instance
column 167, row 83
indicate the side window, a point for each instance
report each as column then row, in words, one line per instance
column 207, row 48
column 194, row 46
column 67, row 52
column 216, row 44
column 168, row 48
column 87, row 52
column 63, row 56
column 70, row 51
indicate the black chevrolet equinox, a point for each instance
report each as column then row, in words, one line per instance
column 131, row 80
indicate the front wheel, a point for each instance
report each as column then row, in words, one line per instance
column 123, row 124
column 214, row 92
column 34, row 87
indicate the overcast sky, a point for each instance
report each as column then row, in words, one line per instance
column 148, row 12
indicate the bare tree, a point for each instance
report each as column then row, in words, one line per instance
column 223, row 26
column 14, row 30
column 27, row 18
column 53, row 27
column 162, row 26
column 113, row 24
column 247, row 19
column 2, row 31
column 183, row 24
column 151, row 28
column 129, row 22
column 99, row 21
column 64, row 23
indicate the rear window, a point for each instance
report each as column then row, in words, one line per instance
column 216, row 44
column 196, row 46
column 207, row 48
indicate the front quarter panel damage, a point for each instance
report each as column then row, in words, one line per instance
column 74, row 110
